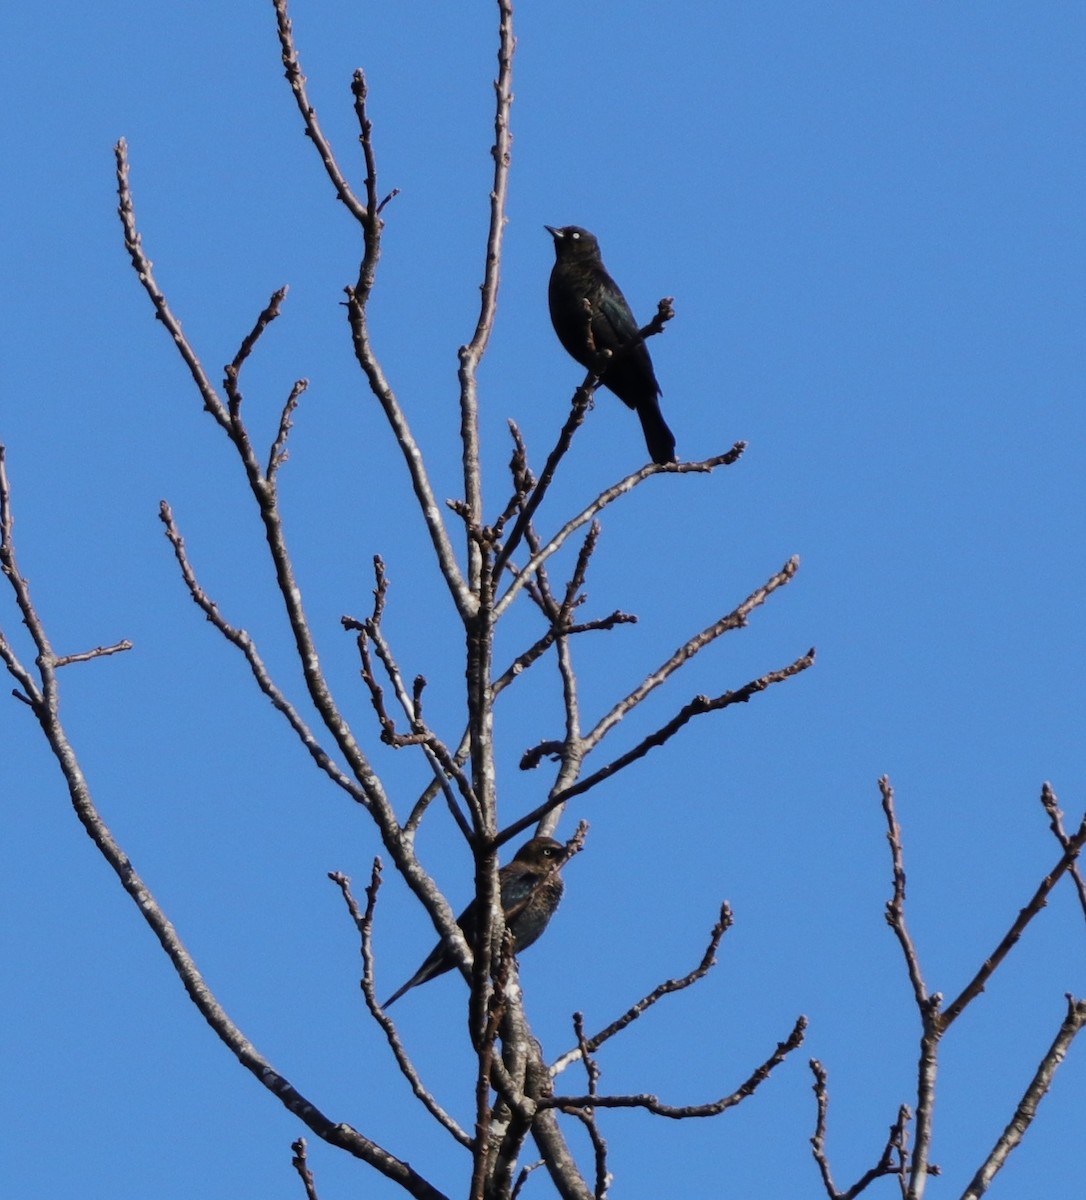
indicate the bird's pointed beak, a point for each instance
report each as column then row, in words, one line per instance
column 555, row 233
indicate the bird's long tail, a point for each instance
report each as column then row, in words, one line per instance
column 659, row 439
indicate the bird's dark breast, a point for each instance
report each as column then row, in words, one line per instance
column 583, row 300
column 530, row 922
column 570, row 320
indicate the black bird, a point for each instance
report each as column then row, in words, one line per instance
column 530, row 891
column 607, row 323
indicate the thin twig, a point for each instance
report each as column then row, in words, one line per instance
column 927, row 1003
column 66, row 660
column 472, row 354
column 1036, row 902
column 699, row 706
column 736, row 619
column 538, row 648
column 300, row 1163
column 144, row 269
column 708, row 961
column 278, row 453
column 364, row 924
column 1055, row 820
column 401, row 430
column 571, row 751
column 43, row 700
column 248, row 344
column 293, row 71
column 587, row 1116
column 441, row 784
column 606, row 497
column 244, row 642
column 559, row 615
column 891, row 1161
column 582, row 402
column 1027, row 1107
column 682, row 1112
column 895, row 907
column 441, row 759
column 522, row 1178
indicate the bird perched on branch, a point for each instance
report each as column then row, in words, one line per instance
column 530, row 891
column 590, row 314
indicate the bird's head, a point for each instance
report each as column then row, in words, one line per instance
column 542, row 852
column 571, row 243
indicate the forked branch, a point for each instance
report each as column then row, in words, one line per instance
column 699, row 706
column 44, row 702
column 684, row 1111
column 708, row 961
column 891, row 1162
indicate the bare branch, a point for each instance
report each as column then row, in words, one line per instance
column 144, row 270
column 394, row 414
column 895, row 916
column 43, row 700
column 891, row 1161
column 293, row 70
column 46, row 708
column 609, row 496
column 248, row 344
column 1055, row 820
column 536, row 651
column 681, row 1112
column 895, row 908
column 336, row 1134
column 374, row 207
column 444, row 765
column 708, row 961
column 471, row 354
column 697, row 707
column 300, row 1163
column 582, row 402
column 522, row 482
column 244, row 642
column 1027, row 1106
column 264, row 492
column 364, row 925
column 570, row 751
column 588, row 1116
column 368, row 215
column 441, row 760
column 736, row 619
column 278, row 453
column 1037, row 901
column 927, row 1005
column 591, row 1067
column 441, row 783
column 559, row 614
column 66, row 660
column 522, row 1178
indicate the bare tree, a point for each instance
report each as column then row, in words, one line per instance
column 492, row 560
column 911, row 1167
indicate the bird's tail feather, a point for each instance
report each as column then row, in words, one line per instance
column 658, row 437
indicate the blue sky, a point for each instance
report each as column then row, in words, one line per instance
column 870, row 218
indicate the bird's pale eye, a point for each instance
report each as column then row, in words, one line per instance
column 575, row 236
